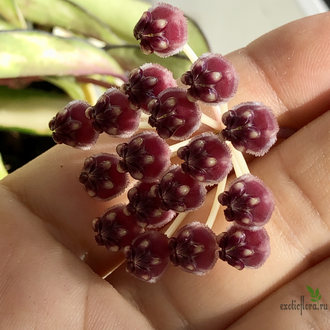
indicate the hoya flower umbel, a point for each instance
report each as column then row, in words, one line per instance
column 212, row 79
column 251, row 127
column 242, row 248
column 101, row 178
column 172, row 179
column 145, row 83
column 113, row 115
column 70, row 126
column 250, row 203
column 173, row 115
column 162, row 30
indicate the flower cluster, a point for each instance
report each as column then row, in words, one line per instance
column 164, row 191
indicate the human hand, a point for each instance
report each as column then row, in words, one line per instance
column 51, row 270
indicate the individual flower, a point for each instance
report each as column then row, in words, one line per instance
column 173, row 115
column 206, row 158
column 249, row 202
column 113, row 115
column 145, row 156
column 101, row 178
column 251, row 127
column 162, row 30
column 114, row 229
column 179, row 192
column 244, row 248
column 145, row 83
column 71, row 127
column 146, row 208
column 194, row 248
column 212, row 79
column 147, row 257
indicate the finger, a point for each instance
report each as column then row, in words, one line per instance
column 288, row 69
column 43, row 286
column 50, row 188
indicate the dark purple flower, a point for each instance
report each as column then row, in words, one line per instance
column 145, row 83
column 114, row 229
column 242, row 248
column 251, row 127
column 206, row 158
column 162, row 30
column 146, row 156
column 71, row 126
column 113, row 115
column 194, row 248
column 146, row 208
column 250, row 203
column 212, row 79
column 179, row 192
column 173, row 115
column 148, row 256
column 101, row 178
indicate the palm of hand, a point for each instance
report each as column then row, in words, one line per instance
column 49, row 274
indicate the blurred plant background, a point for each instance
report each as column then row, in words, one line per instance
column 57, row 50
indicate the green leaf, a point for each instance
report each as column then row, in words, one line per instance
column 10, row 11
column 319, row 297
column 35, row 53
column 196, row 38
column 4, row 25
column 313, row 300
column 317, row 292
column 29, row 110
column 120, row 15
column 69, row 85
column 310, row 289
column 3, row 170
column 130, row 57
column 68, row 15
